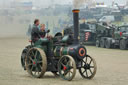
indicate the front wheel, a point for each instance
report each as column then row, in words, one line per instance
column 67, row 68
column 88, row 67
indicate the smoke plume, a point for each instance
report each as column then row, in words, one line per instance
column 78, row 3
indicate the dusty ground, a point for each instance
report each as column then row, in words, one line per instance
column 112, row 66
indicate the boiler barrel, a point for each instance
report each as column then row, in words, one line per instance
column 76, row 51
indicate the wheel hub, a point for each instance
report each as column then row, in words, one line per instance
column 67, row 67
column 64, row 68
column 35, row 62
column 87, row 66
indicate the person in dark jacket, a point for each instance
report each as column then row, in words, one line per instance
column 37, row 33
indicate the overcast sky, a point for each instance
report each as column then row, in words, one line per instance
column 106, row 1
column 46, row 2
column 70, row 1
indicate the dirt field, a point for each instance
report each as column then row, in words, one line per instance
column 112, row 66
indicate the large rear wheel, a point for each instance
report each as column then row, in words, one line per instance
column 88, row 67
column 36, row 62
column 67, row 68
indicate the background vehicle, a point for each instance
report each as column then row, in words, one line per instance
column 87, row 32
column 109, row 18
column 113, row 37
column 102, row 35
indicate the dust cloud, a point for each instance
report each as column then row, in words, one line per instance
column 13, row 24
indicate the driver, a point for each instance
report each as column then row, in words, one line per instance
column 37, row 31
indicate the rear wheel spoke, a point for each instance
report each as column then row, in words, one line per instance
column 91, row 66
column 86, row 73
column 39, row 61
column 90, row 62
column 32, row 68
column 32, row 53
column 37, row 70
column 66, row 60
column 69, row 74
column 86, row 59
column 35, row 54
column 70, row 71
column 31, row 59
column 83, row 62
column 62, row 64
column 68, row 63
column 65, row 72
column 90, row 71
column 40, row 66
column 30, row 64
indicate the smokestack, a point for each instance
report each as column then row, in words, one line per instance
column 76, row 25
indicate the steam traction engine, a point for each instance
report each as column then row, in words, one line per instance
column 61, row 55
